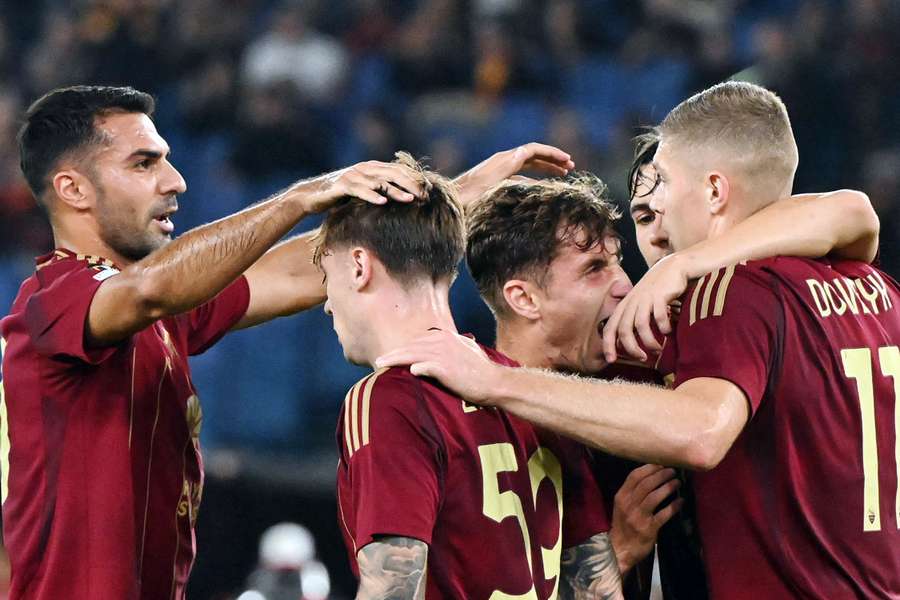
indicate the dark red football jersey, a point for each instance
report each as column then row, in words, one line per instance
column 495, row 498
column 101, row 467
column 806, row 502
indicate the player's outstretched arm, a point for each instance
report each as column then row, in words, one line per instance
column 200, row 263
column 842, row 224
column 692, row 426
column 589, row 571
column 503, row 165
column 392, row 568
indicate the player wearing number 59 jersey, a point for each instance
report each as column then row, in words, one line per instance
column 806, row 503
column 494, row 498
column 440, row 499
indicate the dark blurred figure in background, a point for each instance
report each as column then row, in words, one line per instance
column 451, row 80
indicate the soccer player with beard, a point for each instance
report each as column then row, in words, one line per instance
column 784, row 369
column 99, row 459
column 439, row 498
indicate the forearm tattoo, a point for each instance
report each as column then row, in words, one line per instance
column 589, row 571
column 392, row 568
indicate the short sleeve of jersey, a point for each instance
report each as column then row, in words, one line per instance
column 206, row 324
column 584, row 509
column 728, row 329
column 56, row 314
column 392, row 459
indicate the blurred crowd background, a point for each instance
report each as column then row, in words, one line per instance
column 253, row 94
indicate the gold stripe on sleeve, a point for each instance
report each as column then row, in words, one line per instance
column 347, row 423
column 723, row 289
column 367, row 396
column 354, row 414
column 4, row 433
column 707, row 294
column 694, row 297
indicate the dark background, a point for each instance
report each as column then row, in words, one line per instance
column 253, row 94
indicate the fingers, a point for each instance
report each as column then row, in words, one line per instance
column 545, row 152
column 378, row 182
column 644, row 312
column 656, row 497
column 610, row 332
column 401, row 176
column 638, row 475
column 661, row 314
column 653, row 481
column 625, row 331
column 667, row 512
column 560, row 169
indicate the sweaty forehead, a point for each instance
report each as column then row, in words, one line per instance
column 125, row 133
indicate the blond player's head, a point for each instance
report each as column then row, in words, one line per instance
column 724, row 154
column 373, row 254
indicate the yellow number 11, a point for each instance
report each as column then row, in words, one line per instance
column 858, row 366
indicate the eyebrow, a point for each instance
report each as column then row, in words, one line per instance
column 636, row 206
column 147, row 153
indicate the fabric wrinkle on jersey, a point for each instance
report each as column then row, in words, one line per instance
column 101, row 465
column 472, row 483
column 793, row 511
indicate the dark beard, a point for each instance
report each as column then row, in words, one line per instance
column 128, row 241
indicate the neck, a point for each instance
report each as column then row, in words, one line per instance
column 87, row 241
column 521, row 341
column 400, row 316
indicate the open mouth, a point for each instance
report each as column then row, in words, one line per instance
column 165, row 222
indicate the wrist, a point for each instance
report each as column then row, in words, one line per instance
column 623, row 557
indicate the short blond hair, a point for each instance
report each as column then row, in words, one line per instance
column 742, row 121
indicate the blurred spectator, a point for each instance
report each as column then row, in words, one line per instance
column 277, row 134
column 287, row 568
column 292, row 51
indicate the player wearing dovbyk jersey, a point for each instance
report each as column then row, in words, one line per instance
column 438, row 498
column 790, row 447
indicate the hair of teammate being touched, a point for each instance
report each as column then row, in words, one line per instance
column 742, row 123
column 63, row 122
column 422, row 239
column 518, row 228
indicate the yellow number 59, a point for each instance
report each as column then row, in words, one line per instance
column 497, row 458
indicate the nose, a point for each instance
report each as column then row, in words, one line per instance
column 172, row 182
column 658, row 235
column 621, row 286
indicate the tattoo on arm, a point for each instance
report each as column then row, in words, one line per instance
column 392, row 568
column 589, row 571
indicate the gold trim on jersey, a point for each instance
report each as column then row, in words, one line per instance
column 704, row 288
column 356, row 412
column 4, row 432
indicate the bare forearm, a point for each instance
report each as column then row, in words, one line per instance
column 589, row 571
column 810, row 225
column 392, row 568
column 199, row 264
column 640, row 422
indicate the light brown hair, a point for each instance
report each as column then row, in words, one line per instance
column 424, row 238
column 741, row 122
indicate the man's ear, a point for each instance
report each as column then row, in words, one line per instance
column 74, row 189
column 523, row 297
column 718, row 192
column 361, row 264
